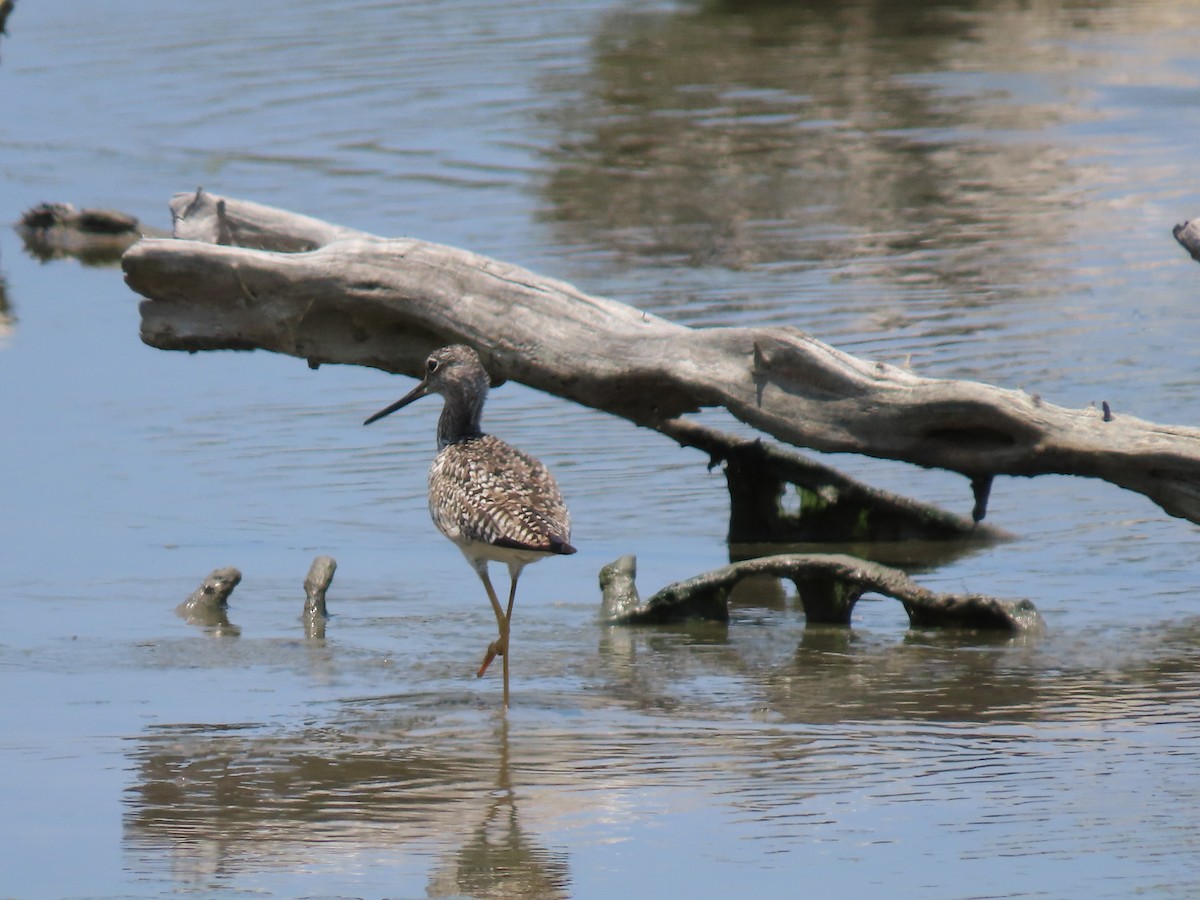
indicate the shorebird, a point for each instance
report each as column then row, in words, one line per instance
column 496, row 503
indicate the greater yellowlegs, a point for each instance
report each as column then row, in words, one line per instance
column 494, row 501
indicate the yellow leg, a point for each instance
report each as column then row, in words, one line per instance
column 512, row 592
column 498, row 647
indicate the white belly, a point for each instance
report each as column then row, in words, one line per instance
column 475, row 550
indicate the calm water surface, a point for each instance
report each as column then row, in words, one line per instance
column 982, row 190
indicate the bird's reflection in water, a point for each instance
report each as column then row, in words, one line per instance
column 217, row 802
column 498, row 859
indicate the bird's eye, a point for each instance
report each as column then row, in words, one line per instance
column 432, row 364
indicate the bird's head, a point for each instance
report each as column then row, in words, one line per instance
column 453, row 371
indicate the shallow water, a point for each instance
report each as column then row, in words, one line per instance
column 981, row 190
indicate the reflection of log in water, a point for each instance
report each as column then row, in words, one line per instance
column 704, row 126
column 830, row 674
column 221, row 800
column 827, row 674
column 8, row 319
column 95, row 237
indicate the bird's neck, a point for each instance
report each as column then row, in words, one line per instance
column 460, row 418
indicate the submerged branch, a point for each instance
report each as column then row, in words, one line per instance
column 828, row 585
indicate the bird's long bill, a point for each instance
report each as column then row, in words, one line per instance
column 419, row 391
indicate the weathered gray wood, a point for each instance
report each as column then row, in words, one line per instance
column 208, row 604
column 316, row 584
column 1188, row 235
column 204, row 217
column 828, row 585
column 364, row 300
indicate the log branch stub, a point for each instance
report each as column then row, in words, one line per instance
column 316, row 584
column 1188, row 235
column 206, row 218
column 337, row 295
column 828, row 586
column 618, row 588
column 208, row 605
column 981, row 488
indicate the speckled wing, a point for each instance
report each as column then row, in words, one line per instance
column 484, row 490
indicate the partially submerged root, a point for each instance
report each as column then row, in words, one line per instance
column 828, row 584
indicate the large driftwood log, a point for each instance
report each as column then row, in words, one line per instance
column 828, row 585
column 349, row 297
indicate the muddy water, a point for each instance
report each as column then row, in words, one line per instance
column 981, row 190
